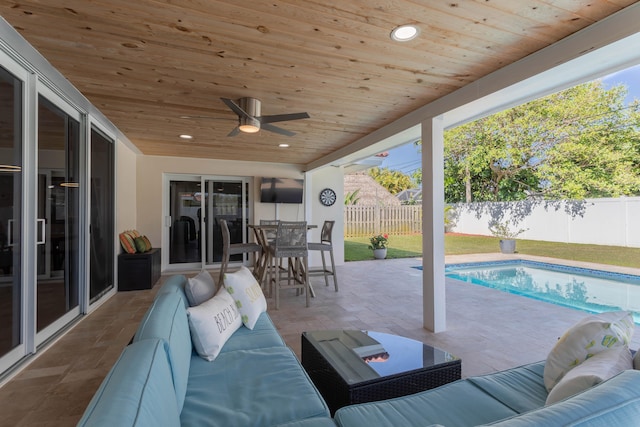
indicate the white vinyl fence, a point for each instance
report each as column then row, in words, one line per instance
column 370, row 220
column 608, row 221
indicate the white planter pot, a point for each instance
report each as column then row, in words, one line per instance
column 507, row 246
column 380, row 253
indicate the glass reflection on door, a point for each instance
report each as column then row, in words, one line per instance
column 10, row 212
column 58, row 213
column 184, row 236
column 223, row 200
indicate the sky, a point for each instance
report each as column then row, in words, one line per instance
column 407, row 157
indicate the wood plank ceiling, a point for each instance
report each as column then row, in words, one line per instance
column 147, row 63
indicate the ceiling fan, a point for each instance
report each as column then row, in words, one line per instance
column 250, row 120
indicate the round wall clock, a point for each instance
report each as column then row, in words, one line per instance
column 327, row 197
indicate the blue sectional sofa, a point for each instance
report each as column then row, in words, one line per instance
column 256, row 380
column 159, row 380
column 513, row 398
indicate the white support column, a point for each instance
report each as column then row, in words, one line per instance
column 433, row 285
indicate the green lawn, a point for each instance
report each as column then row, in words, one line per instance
column 411, row 246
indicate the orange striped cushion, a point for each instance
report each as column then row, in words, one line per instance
column 127, row 243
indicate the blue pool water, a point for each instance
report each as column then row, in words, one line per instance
column 594, row 291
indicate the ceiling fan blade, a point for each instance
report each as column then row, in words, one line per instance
column 235, row 108
column 276, row 129
column 282, row 117
column 234, row 132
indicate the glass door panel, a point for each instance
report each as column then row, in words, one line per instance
column 58, row 213
column 184, row 211
column 101, row 228
column 10, row 212
column 223, row 200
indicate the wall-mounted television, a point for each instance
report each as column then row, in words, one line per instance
column 281, row 190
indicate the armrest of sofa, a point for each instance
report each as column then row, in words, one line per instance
column 610, row 403
column 138, row 391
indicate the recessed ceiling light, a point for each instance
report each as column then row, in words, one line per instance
column 283, row 145
column 184, row 136
column 404, row 33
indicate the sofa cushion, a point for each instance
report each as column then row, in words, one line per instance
column 459, row 404
column 263, row 335
column 199, row 288
column 127, row 243
column 212, row 323
column 592, row 371
column 614, row 402
column 261, row 387
column 590, row 336
column 167, row 319
column 246, row 292
column 521, row 389
column 138, row 391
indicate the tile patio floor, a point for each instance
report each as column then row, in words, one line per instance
column 488, row 329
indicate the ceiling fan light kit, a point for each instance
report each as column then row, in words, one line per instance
column 250, row 119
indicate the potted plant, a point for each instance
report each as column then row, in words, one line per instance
column 379, row 245
column 507, row 236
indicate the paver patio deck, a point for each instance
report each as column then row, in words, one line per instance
column 490, row 330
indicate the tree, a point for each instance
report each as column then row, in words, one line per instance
column 352, row 197
column 581, row 142
column 393, row 181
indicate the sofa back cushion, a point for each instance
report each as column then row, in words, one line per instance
column 614, row 402
column 174, row 285
column 138, row 391
column 166, row 319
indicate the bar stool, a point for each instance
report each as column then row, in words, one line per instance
column 229, row 249
column 325, row 245
column 291, row 243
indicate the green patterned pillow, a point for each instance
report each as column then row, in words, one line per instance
column 147, row 242
column 141, row 245
column 587, row 338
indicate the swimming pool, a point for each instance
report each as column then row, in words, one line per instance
column 590, row 290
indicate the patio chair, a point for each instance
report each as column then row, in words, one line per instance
column 229, row 249
column 325, row 245
column 270, row 234
column 291, row 243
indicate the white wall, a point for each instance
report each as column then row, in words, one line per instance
column 126, row 202
column 329, row 177
column 600, row 221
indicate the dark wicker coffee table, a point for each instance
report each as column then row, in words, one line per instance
column 364, row 366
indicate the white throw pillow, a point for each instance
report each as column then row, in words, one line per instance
column 247, row 294
column 212, row 323
column 592, row 371
column 200, row 288
column 588, row 337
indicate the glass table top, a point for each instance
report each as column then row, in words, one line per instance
column 366, row 355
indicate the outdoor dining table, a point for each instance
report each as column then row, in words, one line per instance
column 262, row 271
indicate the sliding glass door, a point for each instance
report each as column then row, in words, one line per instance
column 101, row 229
column 11, row 295
column 57, row 289
column 196, row 206
column 57, row 242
